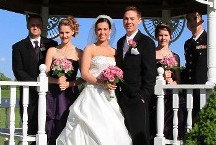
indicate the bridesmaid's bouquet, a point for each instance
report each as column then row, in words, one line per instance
column 169, row 63
column 111, row 75
column 61, row 67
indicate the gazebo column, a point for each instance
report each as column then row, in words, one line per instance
column 211, row 33
column 166, row 16
column 211, row 43
column 45, row 16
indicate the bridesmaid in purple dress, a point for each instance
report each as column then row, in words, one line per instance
column 172, row 76
column 63, row 90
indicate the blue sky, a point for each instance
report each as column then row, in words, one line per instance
column 13, row 29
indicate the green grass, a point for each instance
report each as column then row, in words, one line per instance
column 6, row 94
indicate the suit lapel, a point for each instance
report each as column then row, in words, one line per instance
column 120, row 56
column 42, row 42
column 42, row 52
column 137, row 38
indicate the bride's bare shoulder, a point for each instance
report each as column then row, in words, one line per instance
column 90, row 47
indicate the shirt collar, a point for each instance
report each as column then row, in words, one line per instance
column 37, row 39
column 195, row 38
column 132, row 36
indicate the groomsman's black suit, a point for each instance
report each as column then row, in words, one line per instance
column 25, row 63
column 196, row 69
column 139, row 80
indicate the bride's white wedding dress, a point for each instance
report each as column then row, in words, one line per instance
column 94, row 119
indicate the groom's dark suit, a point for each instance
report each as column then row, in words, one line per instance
column 25, row 65
column 139, row 80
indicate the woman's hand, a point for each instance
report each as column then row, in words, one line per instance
column 171, row 81
column 110, row 86
column 62, row 79
column 167, row 74
column 168, row 77
column 64, row 85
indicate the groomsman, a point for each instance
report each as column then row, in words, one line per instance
column 196, row 56
column 136, row 57
column 27, row 55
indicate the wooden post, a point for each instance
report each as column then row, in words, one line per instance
column 45, row 16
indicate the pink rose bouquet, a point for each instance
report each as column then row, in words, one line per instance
column 61, row 67
column 111, row 75
column 169, row 63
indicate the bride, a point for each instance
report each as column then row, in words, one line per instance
column 95, row 118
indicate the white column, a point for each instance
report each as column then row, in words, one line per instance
column 211, row 43
column 211, row 31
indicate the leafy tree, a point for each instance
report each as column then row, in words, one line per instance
column 4, row 78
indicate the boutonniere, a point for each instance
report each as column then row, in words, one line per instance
column 132, row 45
column 42, row 48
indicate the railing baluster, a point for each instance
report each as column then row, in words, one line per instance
column 189, row 108
column 25, row 102
column 12, row 114
column 175, row 115
column 203, row 100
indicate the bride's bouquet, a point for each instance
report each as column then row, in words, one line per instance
column 111, row 75
column 61, row 67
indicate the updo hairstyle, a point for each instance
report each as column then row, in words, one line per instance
column 70, row 21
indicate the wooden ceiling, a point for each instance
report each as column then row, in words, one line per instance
column 93, row 8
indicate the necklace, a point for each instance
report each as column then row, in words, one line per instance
column 163, row 53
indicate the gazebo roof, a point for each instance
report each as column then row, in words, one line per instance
column 92, row 8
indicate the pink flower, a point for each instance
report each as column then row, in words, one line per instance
column 169, row 63
column 112, row 74
column 61, row 67
column 132, row 43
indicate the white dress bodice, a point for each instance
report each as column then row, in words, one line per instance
column 99, row 63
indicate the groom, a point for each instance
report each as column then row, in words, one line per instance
column 136, row 57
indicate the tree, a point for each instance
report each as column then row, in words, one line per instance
column 4, row 78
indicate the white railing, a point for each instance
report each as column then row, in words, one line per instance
column 10, row 132
column 160, row 88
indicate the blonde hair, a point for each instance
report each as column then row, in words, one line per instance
column 72, row 22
